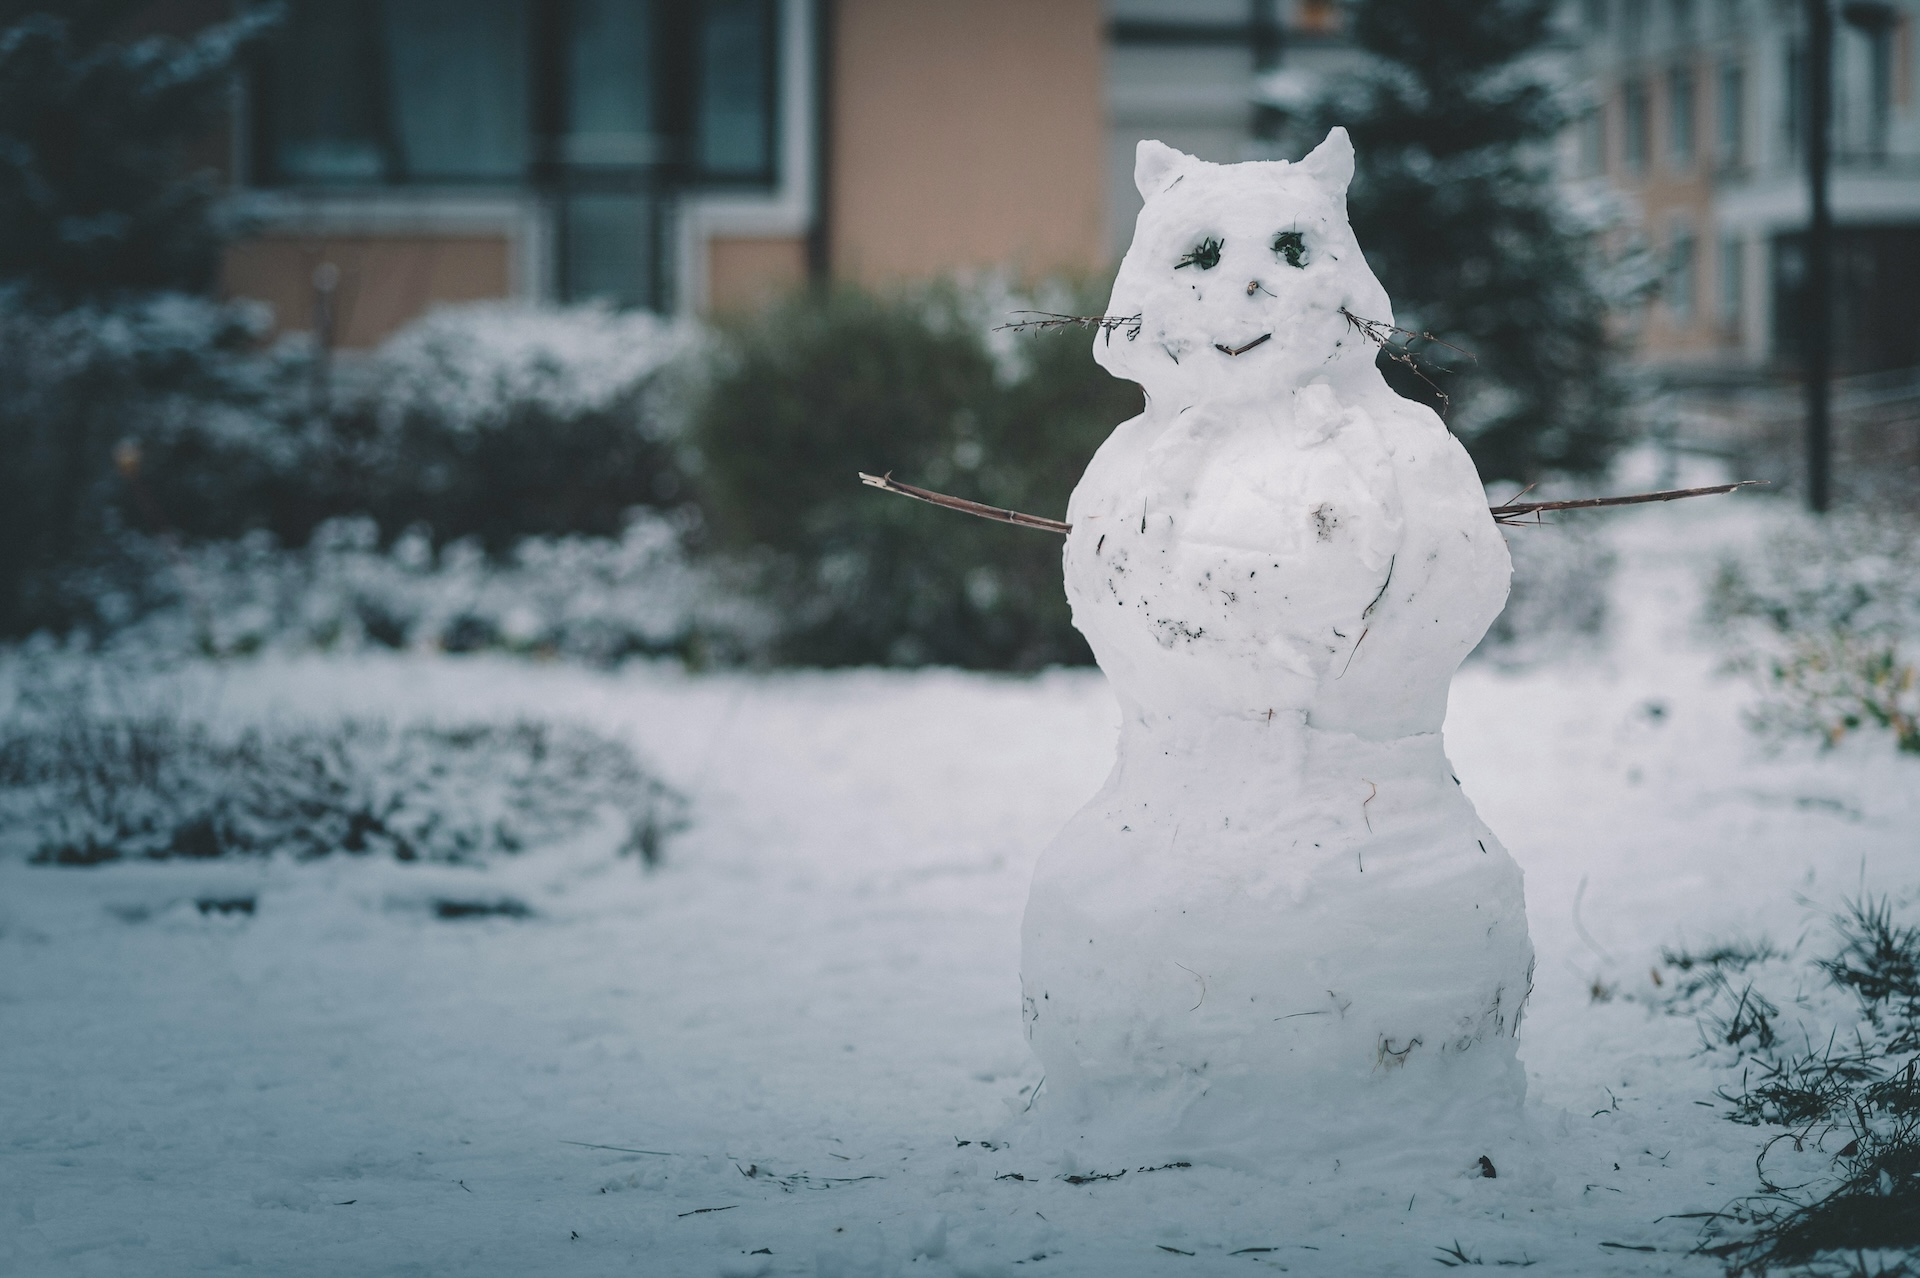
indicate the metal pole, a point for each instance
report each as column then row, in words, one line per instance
column 1819, row 317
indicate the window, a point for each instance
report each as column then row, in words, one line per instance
column 735, row 118
column 409, row 90
column 1876, row 298
column 1633, row 26
column 319, row 115
column 1593, row 143
column 1733, row 273
column 611, row 117
column 1677, row 290
column 611, row 106
column 1877, row 23
column 1731, row 113
column 457, row 87
column 1680, row 122
column 614, row 144
column 1795, row 123
column 1633, row 140
column 1680, row 14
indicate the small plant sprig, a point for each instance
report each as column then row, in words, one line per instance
column 1044, row 321
column 1382, row 334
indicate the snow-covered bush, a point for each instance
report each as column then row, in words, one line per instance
column 590, row 598
column 1827, row 616
column 802, row 397
column 80, row 789
column 150, row 452
column 502, row 420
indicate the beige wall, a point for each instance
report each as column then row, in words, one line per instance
column 385, row 280
column 966, row 133
column 745, row 273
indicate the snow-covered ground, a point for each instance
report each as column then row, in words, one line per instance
column 789, row 1050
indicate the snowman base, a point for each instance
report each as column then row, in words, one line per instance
column 1266, row 942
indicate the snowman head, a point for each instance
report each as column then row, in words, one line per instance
column 1239, row 274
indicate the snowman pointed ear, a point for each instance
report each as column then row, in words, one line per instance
column 1153, row 163
column 1331, row 163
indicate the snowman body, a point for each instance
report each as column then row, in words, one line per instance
column 1280, row 927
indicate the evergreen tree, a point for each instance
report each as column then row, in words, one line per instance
column 1456, row 207
column 97, row 193
column 103, row 225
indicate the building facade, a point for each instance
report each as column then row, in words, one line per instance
column 1696, row 119
column 699, row 156
column 683, row 157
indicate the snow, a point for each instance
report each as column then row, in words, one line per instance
column 821, row 984
column 1281, row 892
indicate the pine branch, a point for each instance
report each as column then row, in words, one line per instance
column 1512, row 515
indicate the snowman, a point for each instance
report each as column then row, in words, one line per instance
column 1279, row 932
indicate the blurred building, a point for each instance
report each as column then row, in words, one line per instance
column 1696, row 122
column 703, row 155
column 679, row 156
column 1194, row 74
column 1696, row 117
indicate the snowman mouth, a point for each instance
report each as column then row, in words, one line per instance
column 1225, row 349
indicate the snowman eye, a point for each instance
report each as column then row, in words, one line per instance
column 1205, row 255
column 1291, row 246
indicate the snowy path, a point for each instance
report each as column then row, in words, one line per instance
column 822, row 984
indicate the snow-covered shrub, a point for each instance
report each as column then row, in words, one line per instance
column 150, row 452
column 597, row 599
column 800, row 398
column 1825, row 1052
column 81, row 789
column 1827, row 615
column 503, row 420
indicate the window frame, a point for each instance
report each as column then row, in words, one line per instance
column 676, row 71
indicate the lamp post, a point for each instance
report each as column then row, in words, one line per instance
column 1819, row 352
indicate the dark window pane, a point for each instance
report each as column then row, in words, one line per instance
column 610, row 110
column 1732, row 113
column 613, row 242
column 1680, row 117
column 1634, row 139
column 322, row 103
column 1876, row 301
column 458, row 71
column 735, row 119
